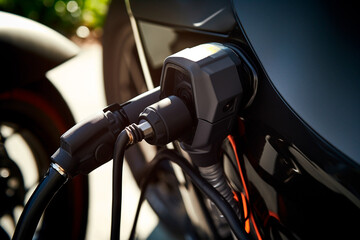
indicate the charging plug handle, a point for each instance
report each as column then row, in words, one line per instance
column 90, row 143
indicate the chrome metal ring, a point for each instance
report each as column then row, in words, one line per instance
column 59, row 169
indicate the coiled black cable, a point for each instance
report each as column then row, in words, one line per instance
column 199, row 182
column 37, row 203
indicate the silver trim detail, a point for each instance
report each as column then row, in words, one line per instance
column 59, row 169
column 140, row 48
column 146, row 129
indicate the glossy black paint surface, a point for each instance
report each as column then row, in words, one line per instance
column 299, row 149
column 303, row 187
column 310, row 50
column 210, row 15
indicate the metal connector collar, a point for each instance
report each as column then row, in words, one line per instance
column 146, row 129
column 59, row 169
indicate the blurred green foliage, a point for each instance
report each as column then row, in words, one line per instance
column 64, row 16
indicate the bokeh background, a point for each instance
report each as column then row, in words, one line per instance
column 80, row 81
column 73, row 18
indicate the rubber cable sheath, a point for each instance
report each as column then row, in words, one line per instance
column 39, row 200
column 118, row 160
column 163, row 155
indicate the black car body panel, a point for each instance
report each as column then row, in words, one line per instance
column 300, row 149
column 214, row 16
column 310, row 52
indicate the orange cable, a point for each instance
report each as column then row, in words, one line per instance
column 233, row 145
column 247, row 221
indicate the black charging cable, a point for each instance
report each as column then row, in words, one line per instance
column 159, row 124
column 118, row 160
column 199, row 182
column 83, row 148
column 53, row 180
column 130, row 135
